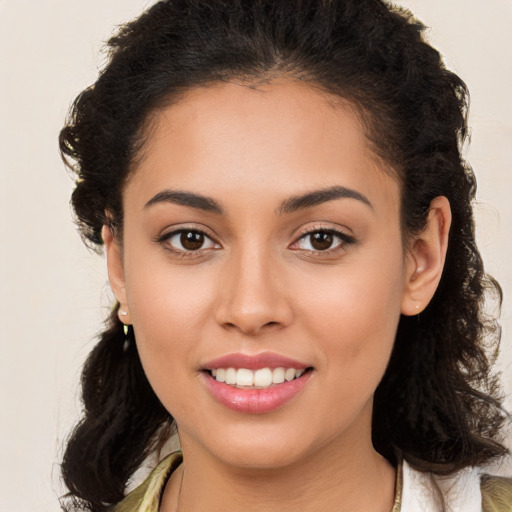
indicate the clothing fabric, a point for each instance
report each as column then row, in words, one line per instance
column 470, row 490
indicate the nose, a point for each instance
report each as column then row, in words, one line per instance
column 253, row 296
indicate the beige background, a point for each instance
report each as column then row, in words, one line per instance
column 53, row 293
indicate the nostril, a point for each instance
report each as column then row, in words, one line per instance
column 252, row 317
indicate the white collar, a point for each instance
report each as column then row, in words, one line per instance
column 421, row 492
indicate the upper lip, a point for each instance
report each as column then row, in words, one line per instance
column 253, row 362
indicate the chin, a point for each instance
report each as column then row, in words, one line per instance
column 260, row 456
column 260, row 446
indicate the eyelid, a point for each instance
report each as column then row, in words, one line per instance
column 343, row 232
column 336, row 231
column 172, row 231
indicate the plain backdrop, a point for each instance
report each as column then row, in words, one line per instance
column 53, row 293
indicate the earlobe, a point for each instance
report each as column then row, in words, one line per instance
column 426, row 257
column 116, row 272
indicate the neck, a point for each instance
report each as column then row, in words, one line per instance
column 356, row 479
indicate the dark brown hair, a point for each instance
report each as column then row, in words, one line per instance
column 437, row 403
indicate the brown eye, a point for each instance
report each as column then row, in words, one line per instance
column 189, row 240
column 192, row 240
column 321, row 240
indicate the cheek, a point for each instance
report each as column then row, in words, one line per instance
column 169, row 311
column 354, row 316
column 170, row 307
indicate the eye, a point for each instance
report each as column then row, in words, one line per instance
column 323, row 240
column 189, row 240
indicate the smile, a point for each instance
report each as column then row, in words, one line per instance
column 262, row 378
column 255, row 384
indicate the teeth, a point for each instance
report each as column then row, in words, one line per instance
column 244, row 377
column 289, row 374
column 230, row 376
column 278, row 375
column 261, row 378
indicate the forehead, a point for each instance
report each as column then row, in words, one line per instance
column 279, row 137
column 290, row 109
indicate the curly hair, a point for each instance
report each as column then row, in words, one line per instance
column 438, row 403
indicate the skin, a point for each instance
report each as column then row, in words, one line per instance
column 258, row 286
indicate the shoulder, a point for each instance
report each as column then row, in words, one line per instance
column 146, row 497
column 469, row 490
column 496, row 493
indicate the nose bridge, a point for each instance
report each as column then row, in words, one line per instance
column 252, row 292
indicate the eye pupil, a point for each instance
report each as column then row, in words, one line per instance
column 192, row 240
column 321, row 240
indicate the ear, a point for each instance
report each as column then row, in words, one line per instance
column 425, row 258
column 116, row 272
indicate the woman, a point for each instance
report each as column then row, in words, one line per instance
column 288, row 227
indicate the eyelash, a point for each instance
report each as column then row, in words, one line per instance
column 166, row 238
column 343, row 238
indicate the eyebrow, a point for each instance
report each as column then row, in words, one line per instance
column 291, row 205
column 317, row 197
column 189, row 199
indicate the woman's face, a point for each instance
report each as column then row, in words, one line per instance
column 261, row 233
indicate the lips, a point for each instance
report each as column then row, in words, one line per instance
column 255, row 384
column 254, row 362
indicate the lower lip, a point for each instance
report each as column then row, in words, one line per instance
column 255, row 401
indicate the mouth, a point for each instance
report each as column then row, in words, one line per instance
column 255, row 384
column 261, row 378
